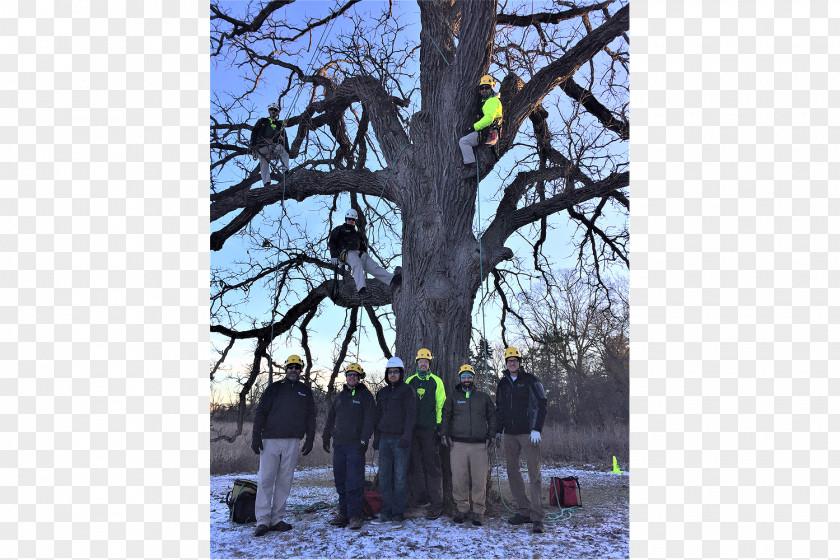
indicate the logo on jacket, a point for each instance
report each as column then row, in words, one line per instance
column 356, row 402
column 301, row 394
column 420, row 393
column 461, row 402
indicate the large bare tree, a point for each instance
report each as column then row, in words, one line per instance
column 379, row 117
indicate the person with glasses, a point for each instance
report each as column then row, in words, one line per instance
column 270, row 142
column 396, row 414
column 487, row 129
column 285, row 414
column 348, row 244
column 350, row 424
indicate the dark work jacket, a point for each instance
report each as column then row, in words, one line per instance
column 346, row 238
column 286, row 410
column 521, row 404
column 469, row 419
column 269, row 130
column 351, row 416
column 396, row 411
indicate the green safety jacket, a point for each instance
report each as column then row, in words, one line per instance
column 490, row 113
column 430, row 398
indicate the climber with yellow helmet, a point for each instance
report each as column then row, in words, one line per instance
column 425, row 482
column 486, row 129
column 285, row 414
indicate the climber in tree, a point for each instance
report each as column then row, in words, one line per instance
column 348, row 244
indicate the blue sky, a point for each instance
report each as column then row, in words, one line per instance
column 310, row 212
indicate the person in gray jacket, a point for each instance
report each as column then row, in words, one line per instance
column 285, row 414
column 468, row 426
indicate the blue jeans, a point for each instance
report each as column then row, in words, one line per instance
column 393, row 476
column 349, row 475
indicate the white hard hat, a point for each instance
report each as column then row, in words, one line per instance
column 394, row 362
column 351, row 214
column 273, row 106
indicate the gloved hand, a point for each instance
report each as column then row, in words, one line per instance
column 326, row 445
column 403, row 444
column 364, row 446
column 489, row 443
column 498, row 439
column 535, row 437
column 256, row 445
column 447, row 441
column 437, row 432
column 376, row 445
column 334, row 261
column 307, row 447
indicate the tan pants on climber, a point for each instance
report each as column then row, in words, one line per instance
column 359, row 266
column 271, row 152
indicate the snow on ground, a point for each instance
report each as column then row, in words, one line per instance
column 599, row 530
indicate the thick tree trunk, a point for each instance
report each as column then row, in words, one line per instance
column 434, row 307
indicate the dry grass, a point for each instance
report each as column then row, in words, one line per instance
column 560, row 445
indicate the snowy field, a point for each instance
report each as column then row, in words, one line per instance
column 599, row 530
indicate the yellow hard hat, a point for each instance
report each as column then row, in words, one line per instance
column 512, row 352
column 424, row 353
column 466, row 368
column 358, row 369
column 487, row 80
column 294, row 359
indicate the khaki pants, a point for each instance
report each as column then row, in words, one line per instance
column 271, row 152
column 360, row 267
column 515, row 445
column 274, row 481
column 467, row 143
column 468, row 462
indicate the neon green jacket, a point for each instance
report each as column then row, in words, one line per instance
column 492, row 111
column 429, row 411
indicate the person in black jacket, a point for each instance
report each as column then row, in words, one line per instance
column 285, row 414
column 350, row 423
column 396, row 413
column 348, row 243
column 270, row 142
column 521, row 407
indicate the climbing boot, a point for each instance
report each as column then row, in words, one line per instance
column 434, row 511
column 538, row 527
column 470, row 171
column 355, row 523
column 477, row 519
column 261, row 530
column 519, row 519
column 459, row 517
column 280, row 526
column 340, row 520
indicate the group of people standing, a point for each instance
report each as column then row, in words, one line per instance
column 408, row 420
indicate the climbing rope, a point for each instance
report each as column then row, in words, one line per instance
column 283, row 214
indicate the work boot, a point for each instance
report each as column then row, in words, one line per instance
column 261, row 530
column 477, row 519
column 396, row 522
column 363, row 293
column 382, row 519
column 434, row 511
column 355, row 523
column 538, row 527
column 340, row 520
column 459, row 517
column 519, row 519
column 280, row 526
column 397, row 279
column 469, row 172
